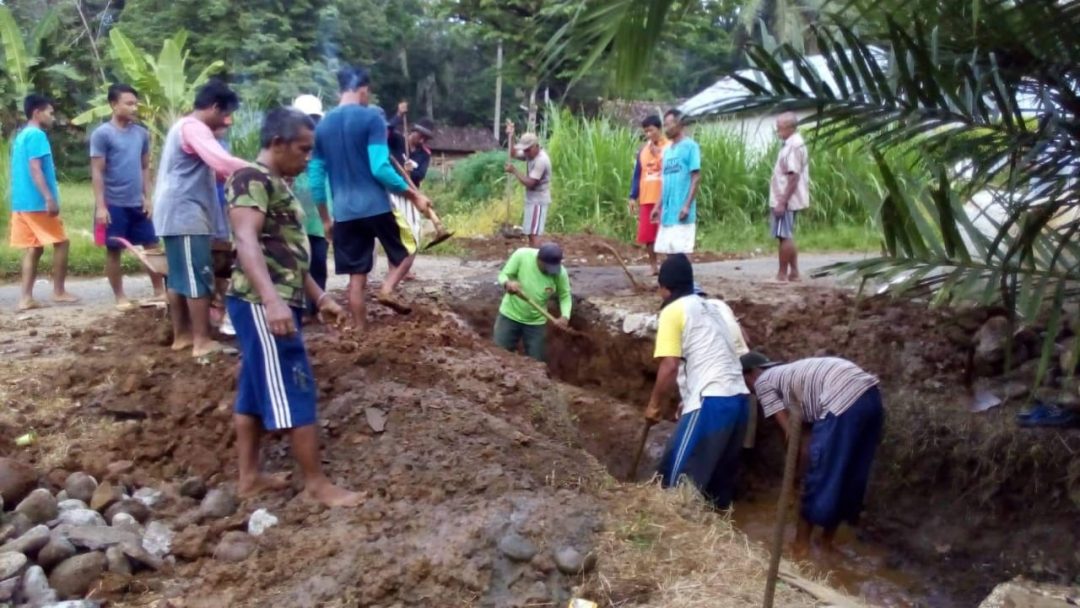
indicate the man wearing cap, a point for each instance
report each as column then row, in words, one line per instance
column 841, row 404
column 536, row 179
column 420, row 133
column 530, row 277
column 712, row 422
column 317, row 222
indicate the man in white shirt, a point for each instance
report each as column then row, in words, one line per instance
column 789, row 193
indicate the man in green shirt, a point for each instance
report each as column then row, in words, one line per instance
column 536, row 275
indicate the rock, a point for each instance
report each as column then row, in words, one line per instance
column 61, row 496
column 570, row 561
column 132, row 507
column 16, row 480
column 35, row 587
column 219, row 503
column 117, row 561
column 119, row 468
column 74, row 604
column 29, row 543
column 1022, row 592
column 517, row 547
column 158, row 539
column 39, row 506
column 193, row 487
column 124, row 520
column 70, row 504
column 7, row 590
column 20, row 524
column 104, row 496
column 140, row 557
column 261, row 521
column 74, row 576
column 82, row 517
column 96, row 538
column 80, row 486
column 55, row 551
column 148, row 496
column 12, row 564
column 235, row 546
column 192, row 543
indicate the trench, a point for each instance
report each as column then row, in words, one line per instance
column 619, row 369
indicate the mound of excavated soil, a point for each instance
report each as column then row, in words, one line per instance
column 578, row 249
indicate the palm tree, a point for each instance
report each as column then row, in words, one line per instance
column 986, row 94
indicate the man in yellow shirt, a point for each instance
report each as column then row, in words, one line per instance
column 713, row 419
column 531, row 274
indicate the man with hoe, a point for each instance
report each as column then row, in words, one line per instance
column 276, row 389
column 646, row 186
column 677, row 212
column 536, row 179
column 531, row 277
column 120, row 170
column 789, row 193
column 841, row 405
column 708, row 440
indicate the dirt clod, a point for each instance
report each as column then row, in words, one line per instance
column 16, row 480
column 104, row 496
column 235, row 547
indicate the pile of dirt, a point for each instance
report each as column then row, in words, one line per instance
column 578, row 249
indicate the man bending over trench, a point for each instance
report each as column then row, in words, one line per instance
column 276, row 389
column 530, row 277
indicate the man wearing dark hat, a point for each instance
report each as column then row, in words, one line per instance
column 530, row 277
column 712, row 422
column 420, row 133
column 842, row 405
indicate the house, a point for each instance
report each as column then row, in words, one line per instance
column 456, row 142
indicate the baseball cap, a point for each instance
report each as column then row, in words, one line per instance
column 424, row 127
column 526, row 141
column 550, row 256
column 755, row 360
column 308, row 104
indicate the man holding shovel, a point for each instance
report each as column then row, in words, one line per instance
column 536, row 179
column 712, row 422
column 530, row 277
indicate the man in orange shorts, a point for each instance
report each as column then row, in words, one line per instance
column 35, row 203
column 646, row 185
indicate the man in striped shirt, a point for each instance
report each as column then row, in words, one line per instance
column 842, row 405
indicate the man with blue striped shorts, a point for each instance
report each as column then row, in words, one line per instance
column 708, row 440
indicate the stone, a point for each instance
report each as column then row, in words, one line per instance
column 74, row 576
column 261, row 521
column 55, row 551
column 158, row 539
column 192, row 543
column 12, row 564
column 219, row 502
column 148, row 496
column 7, row 590
column 140, row 557
column 74, row 604
column 17, row 480
column 235, row 546
column 35, row 587
column 30, row 542
column 39, row 506
column 80, row 486
column 61, row 496
column 571, row 561
column 96, row 538
column 124, row 520
column 20, row 524
column 517, row 547
column 104, row 496
column 82, row 517
column 132, row 507
column 193, row 487
column 71, row 504
column 117, row 562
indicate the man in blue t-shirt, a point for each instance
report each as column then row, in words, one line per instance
column 351, row 144
column 677, row 211
column 35, row 203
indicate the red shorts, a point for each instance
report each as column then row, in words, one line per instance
column 646, row 230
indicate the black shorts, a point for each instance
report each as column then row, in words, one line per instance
column 354, row 242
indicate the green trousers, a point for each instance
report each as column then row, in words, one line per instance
column 509, row 332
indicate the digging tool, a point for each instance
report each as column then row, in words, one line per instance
column 548, row 315
column 640, row 449
column 786, row 492
column 155, row 265
column 629, row 275
column 441, row 234
column 506, row 229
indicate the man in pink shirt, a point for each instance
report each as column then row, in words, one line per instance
column 187, row 214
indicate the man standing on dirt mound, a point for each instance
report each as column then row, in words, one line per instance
column 276, row 388
column 677, row 211
column 187, row 214
column 646, row 186
column 712, row 423
column 789, row 193
column 842, row 405
column 351, row 142
column 536, row 179
column 530, row 277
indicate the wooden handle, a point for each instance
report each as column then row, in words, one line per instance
column 619, row 259
column 547, row 315
column 430, row 213
column 787, row 489
column 640, row 449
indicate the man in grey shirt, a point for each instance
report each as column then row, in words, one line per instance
column 536, row 179
column 120, row 168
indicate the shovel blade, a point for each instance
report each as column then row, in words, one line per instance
column 438, row 239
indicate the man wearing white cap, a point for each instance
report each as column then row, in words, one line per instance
column 317, row 220
column 536, row 179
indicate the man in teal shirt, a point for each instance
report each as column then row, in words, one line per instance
column 536, row 275
column 317, row 221
column 677, row 211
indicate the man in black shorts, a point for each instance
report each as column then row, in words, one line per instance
column 351, row 143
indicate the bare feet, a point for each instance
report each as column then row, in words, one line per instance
column 264, row 482
column 125, row 305
column 391, row 301
column 65, row 298
column 30, row 304
column 794, row 277
column 781, row 278
column 182, row 343
column 329, row 495
column 212, row 347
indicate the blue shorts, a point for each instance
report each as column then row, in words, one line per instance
column 276, row 384
column 706, row 447
column 191, row 267
column 128, row 223
column 782, row 227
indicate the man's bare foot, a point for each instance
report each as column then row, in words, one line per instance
column 391, row 301
column 330, row 495
column 125, row 305
column 409, row 277
column 30, row 304
column 65, row 298
column 264, row 482
column 794, row 277
column 182, row 343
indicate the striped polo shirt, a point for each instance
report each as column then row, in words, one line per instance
column 823, row 385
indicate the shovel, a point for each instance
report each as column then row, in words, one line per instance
column 441, row 234
column 506, row 229
column 629, row 275
column 640, row 450
column 154, row 263
column 548, row 315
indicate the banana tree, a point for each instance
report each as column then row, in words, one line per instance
column 165, row 91
column 24, row 68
